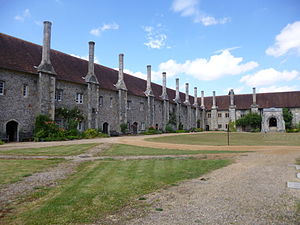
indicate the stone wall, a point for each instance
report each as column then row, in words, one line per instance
column 14, row 106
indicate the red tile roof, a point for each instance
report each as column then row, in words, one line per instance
column 20, row 55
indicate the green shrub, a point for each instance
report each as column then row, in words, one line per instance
column 180, row 126
column 169, row 129
column 232, row 126
column 181, row 131
column 124, row 128
column 293, row 130
column 151, row 130
column 251, row 119
column 2, row 142
column 90, row 133
column 198, row 130
column 288, row 117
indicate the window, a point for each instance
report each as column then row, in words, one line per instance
column 142, row 126
column 25, row 90
column 101, row 101
column 80, row 126
column 79, row 98
column 219, row 126
column 219, row 114
column 226, row 115
column 208, row 115
column 1, row 88
column 141, row 106
column 128, row 104
column 242, row 115
column 58, row 94
column 226, row 126
column 111, row 102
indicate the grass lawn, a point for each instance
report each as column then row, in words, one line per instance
column 61, row 150
column 235, row 139
column 13, row 170
column 125, row 150
column 101, row 187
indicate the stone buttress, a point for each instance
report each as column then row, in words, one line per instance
column 214, row 113
column 150, row 100
column 164, row 97
column 189, row 107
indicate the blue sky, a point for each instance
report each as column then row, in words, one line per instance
column 211, row 44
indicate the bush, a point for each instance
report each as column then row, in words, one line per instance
column 90, row 133
column 198, row 130
column 2, row 142
column 293, row 130
column 150, row 131
column 46, row 128
column 288, row 117
column 124, row 128
column 169, row 129
column 232, row 126
column 181, row 131
column 251, row 119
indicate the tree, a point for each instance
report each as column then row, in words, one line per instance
column 251, row 119
column 288, row 117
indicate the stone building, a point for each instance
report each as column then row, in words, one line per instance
column 36, row 80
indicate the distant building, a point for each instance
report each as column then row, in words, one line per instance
column 36, row 80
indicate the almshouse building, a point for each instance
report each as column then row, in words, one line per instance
column 36, row 80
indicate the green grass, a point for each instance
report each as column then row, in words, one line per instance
column 127, row 150
column 61, row 150
column 252, row 139
column 13, row 170
column 102, row 187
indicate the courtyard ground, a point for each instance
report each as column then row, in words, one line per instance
column 252, row 190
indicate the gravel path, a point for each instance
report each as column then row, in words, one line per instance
column 251, row 191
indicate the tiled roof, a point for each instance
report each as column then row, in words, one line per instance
column 20, row 55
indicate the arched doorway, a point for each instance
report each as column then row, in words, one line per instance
column 273, row 122
column 134, row 127
column 198, row 124
column 207, row 127
column 12, row 131
column 105, row 128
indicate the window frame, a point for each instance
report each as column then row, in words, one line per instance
column 25, row 90
column 3, row 87
column 79, row 98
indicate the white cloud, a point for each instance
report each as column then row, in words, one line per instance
column 215, row 67
column 104, row 27
column 155, row 38
column 86, row 58
column 136, row 74
column 286, row 41
column 189, row 8
column 25, row 14
column 275, row 88
column 268, row 77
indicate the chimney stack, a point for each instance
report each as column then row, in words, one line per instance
column 254, row 96
column 195, row 97
column 202, row 99
column 45, row 65
column 164, row 94
column 121, row 83
column 177, row 96
column 148, row 91
column 231, row 97
column 187, row 100
column 91, row 58
column 214, row 100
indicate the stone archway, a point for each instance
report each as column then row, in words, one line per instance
column 105, row 129
column 135, row 128
column 12, row 133
column 272, row 120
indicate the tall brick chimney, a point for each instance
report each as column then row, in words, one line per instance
column 202, row 99
column 121, row 83
column 177, row 96
column 149, row 91
column 164, row 94
column 195, row 97
column 187, row 100
column 45, row 65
